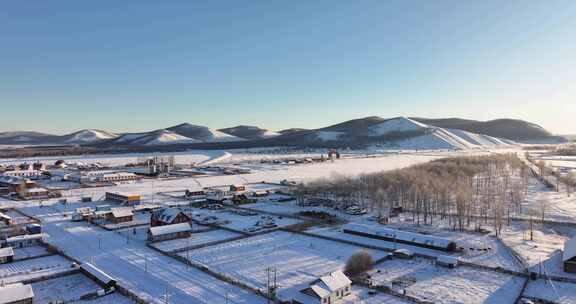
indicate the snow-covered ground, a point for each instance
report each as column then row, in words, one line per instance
column 35, row 268
column 556, row 292
column 298, row 259
column 424, row 280
column 71, row 288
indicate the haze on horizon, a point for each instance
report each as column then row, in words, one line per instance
column 141, row 65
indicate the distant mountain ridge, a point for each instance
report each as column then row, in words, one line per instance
column 369, row 131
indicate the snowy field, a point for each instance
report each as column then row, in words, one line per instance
column 196, row 239
column 424, row 280
column 30, row 269
column 298, row 259
column 555, row 292
column 69, row 289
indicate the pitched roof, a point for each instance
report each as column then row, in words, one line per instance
column 169, row 229
column 166, row 215
column 335, row 280
column 569, row 249
column 97, row 273
column 15, row 293
column 122, row 212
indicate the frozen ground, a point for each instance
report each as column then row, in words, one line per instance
column 145, row 271
column 196, row 239
column 298, row 259
column 424, row 280
column 562, row 293
column 71, row 288
column 29, row 269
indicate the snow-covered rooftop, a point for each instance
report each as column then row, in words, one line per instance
column 97, row 273
column 121, row 212
column 169, row 229
column 15, row 293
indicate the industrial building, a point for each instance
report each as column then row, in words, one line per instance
column 123, row 198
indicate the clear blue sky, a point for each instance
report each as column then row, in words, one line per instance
column 143, row 65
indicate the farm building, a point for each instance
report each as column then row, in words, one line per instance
column 123, row 198
column 6, row 255
column 447, row 261
column 330, row 288
column 121, row 215
column 196, row 195
column 401, row 237
column 169, row 232
column 16, row 294
column 168, row 216
column 21, row 241
column 117, row 177
column 569, row 256
column 104, row 280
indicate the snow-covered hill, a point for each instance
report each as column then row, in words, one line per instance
column 249, row 132
column 422, row 136
column 88, row 136
column 202, row 133
column 162, row 137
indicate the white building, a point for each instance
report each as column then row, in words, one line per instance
column 329, row 289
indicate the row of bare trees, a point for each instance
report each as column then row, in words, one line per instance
column 467, row 191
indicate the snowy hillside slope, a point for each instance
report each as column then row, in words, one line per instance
column 89, row 135
column 249, row 132
column 162, row 137
column 433, row 137
column 202, row 133
column 399, row 124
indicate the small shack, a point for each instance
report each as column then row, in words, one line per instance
column 16, row 294
column 121, row 215
column 569, row 256
column 6, row 255
column 169, row 232
column 100, row 277
column 447, row 261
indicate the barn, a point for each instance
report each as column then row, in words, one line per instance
column 169, row 232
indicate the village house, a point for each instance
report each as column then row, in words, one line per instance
column 6, row 255
column 16, row 294
column 329, row 289
column 169, row 232
column 569, row 256
column 168, row 216
column 121, row 215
